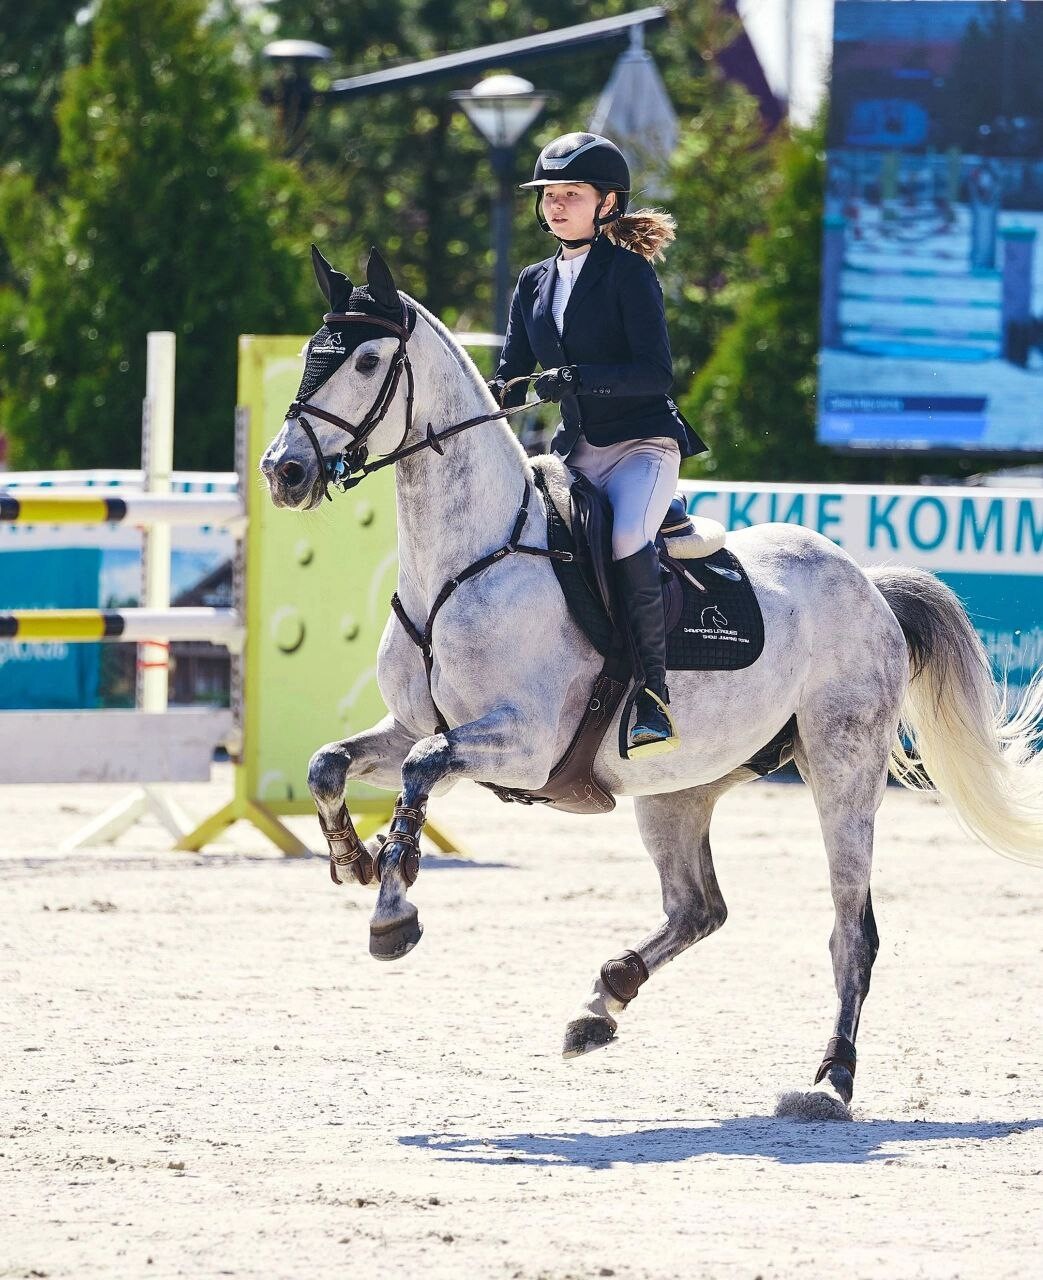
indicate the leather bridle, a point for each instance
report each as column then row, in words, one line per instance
column 351, row 466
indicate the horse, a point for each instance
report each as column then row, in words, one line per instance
column 880, row 670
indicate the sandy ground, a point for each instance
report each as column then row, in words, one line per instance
column 206, row 1075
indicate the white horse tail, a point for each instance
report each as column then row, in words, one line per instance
column 982, row 756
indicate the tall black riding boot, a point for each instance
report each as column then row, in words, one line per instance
column 641, row 595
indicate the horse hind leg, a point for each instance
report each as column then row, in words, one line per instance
column 675, row 829
column 844, row 760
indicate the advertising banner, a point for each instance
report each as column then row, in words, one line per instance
column 50, row 675
column 987, row 544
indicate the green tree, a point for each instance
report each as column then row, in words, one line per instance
column 722, row 176
column 406, row 170
column 40, row 42
column 754, row 400
column 168, row 215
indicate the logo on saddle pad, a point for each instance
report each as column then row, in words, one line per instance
column 714, row 626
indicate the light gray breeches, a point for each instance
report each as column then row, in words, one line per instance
column 639, row 478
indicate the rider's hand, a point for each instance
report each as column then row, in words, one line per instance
column 556, row 383
column 496, row 386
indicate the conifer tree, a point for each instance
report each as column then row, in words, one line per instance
column 168, row 215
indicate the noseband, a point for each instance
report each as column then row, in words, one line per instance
column 350, row 467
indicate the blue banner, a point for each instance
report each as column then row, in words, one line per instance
column 51, row 675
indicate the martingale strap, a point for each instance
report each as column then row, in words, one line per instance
column 422, row 639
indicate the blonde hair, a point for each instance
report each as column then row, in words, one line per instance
column 645, row 231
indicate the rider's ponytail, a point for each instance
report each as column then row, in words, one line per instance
column 645, row 231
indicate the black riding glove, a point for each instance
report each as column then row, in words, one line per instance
column 496, row 386
column 556, row 383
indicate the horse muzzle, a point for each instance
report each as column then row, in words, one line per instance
column 293, row 483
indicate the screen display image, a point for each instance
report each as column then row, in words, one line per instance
column 932, row 267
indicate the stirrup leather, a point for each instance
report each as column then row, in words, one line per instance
column 644, row 750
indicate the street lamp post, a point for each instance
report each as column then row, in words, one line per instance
column 501, row 108
column 295, row 60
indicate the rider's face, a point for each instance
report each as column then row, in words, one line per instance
column 569, row 209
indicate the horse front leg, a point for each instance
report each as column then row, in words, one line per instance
column 375, row 755
column 492, row 748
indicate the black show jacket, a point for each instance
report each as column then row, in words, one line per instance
column 614, row 332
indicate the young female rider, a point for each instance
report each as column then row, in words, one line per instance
column 592, row 317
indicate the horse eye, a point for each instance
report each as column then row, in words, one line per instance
column 367, row 363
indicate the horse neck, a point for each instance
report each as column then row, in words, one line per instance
column 456, row 508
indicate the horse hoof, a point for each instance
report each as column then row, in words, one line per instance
column 842, row 1080
column 396, row 939
column 586, row 1034
column 821, row 1103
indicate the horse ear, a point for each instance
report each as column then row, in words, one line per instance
column 381, row 282
column 336, row 287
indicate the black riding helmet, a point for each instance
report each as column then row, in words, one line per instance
column 583, row 157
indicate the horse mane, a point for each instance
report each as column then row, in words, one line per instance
column 449, row 338
column 467, row 367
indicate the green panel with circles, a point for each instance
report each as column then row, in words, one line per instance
column 317, row 588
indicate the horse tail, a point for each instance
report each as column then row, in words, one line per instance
column 983, row 757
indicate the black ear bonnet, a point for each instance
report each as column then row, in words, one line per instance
column 331, row 345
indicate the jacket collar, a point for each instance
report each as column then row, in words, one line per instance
column 598, row 257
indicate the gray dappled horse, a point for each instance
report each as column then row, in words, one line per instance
column 853, row 655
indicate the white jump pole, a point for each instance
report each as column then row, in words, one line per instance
column 157, row 464
column 153, row 670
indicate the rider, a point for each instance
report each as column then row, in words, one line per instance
column 592, row 317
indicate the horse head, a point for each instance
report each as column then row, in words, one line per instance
column 349, row 401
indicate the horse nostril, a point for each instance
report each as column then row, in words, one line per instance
column 291, row 473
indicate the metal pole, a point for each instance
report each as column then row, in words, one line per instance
column 503, row 168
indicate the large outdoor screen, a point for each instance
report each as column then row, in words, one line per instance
column 932, row 261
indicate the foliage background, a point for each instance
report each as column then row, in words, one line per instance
column 143, row 185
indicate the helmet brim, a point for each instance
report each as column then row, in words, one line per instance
column 569, row 182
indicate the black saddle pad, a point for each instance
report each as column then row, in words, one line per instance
column 719, row 628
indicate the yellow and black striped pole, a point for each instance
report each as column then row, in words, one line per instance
column 43, row 507
column 61, row 624
column 59, row 509
column 82, row 626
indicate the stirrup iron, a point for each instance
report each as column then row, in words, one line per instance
column 658, row 746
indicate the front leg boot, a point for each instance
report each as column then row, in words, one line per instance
column 347, row 852
column 403, row 840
